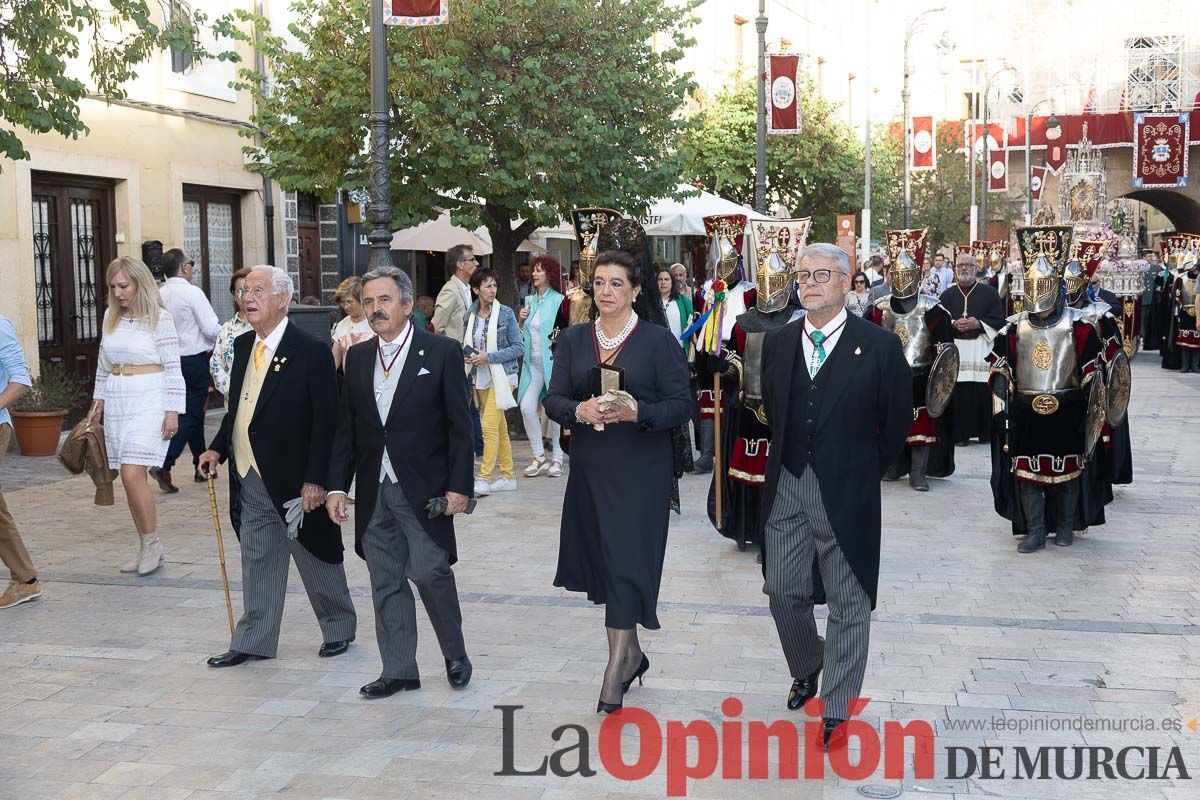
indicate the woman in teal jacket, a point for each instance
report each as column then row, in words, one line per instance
column 540, row 317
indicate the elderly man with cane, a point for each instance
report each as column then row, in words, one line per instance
column 278, row 433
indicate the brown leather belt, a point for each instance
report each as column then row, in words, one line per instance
column 135, row 369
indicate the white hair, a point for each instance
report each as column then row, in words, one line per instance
column 281, row 281
column 827, row 252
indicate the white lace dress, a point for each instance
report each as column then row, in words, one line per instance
column 134, row 405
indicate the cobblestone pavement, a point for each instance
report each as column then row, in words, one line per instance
column 104, row 692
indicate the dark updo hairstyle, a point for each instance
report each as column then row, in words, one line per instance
column 481, row 275
column 553, row 270
column 620, row 258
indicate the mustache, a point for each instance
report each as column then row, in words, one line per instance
column 378, row 316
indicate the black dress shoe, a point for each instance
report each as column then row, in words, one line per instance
column 163, row 477
column 608, row 708
column 330, row 649
column 1032, row 543
column 386, row 687
column 458, row 672
column 803, row 690
column 1064, row 538
column 835, row 736
column 232, row 658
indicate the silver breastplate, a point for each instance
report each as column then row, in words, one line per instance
column 752, row 367
column 910, row 329
column 1187, row 291
column 1046, row 356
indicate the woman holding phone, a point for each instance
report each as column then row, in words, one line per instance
column 540, row 316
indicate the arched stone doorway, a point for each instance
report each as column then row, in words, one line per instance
column 1182, row 210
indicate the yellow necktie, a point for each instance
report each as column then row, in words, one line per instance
column 260, row 352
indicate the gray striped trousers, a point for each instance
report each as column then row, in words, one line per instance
column 265, row 549
column 798, row 530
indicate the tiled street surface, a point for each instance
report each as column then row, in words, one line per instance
column 104, row 692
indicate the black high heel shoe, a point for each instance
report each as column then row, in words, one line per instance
column 641, row 670
column 607, row 708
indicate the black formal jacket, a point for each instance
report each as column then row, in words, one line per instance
column 865, row 412
column 428, row 433
column 291, row 432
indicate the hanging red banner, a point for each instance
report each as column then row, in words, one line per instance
column 1037, row 180
column 1056, row 156
column 783, row 69
column 1160, row 158
column 998, row 159
column 416, row 13
column 924, row 143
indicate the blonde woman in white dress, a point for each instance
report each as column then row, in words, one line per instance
column 139, row 394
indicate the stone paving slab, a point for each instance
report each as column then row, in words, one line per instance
column 105, row 693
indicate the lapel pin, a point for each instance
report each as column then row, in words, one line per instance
column 277, row 368
column 283, row 360
column 420, row 352
column 858, row 351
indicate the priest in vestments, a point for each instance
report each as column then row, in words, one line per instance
column 978, row 315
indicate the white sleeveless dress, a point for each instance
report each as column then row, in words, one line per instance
column 134, row 405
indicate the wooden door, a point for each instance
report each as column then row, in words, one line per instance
column 309, row 235
column 73, row 242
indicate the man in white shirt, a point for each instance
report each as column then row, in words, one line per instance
column 944, row 273
column 197, row 326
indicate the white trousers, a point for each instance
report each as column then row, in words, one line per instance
column 531, row 418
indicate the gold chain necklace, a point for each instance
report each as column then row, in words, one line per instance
column 965, row 295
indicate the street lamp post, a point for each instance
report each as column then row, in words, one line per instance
column 380, row 212
column 987, row 146
column 913, row 26
column 1029, row 158
column 760, row 176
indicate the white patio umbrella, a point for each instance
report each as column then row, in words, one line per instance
column 439, row 235
column 672, row 217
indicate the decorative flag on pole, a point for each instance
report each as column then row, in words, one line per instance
column 998, row 159
column 1056, row 156
column 782, row 72
column 924, row 138
column 1036, row 182
column 1160, row 145
column 415, row 13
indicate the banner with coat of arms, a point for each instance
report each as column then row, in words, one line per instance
column 783, row 70
column 1160, row 158
column 416, row 13
column 924, row 143
column 1037, row 182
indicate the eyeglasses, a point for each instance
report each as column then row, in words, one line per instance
column 258, row 293
column 819, row 276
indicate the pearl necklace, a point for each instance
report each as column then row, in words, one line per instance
column 612, row 344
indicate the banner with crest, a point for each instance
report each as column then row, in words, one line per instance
column 1160, row 157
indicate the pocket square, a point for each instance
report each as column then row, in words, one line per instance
column 422, row 372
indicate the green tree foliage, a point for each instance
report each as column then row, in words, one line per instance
column 511, row 115
column 817, row 173
column 40, row 39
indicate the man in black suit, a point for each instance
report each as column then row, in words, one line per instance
column 838, row 395
column 404, row 429
column 278, row 432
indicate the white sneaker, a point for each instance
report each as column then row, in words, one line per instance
column 482, row 489
column 152, row 553
column 132, row 564
column 504, row 485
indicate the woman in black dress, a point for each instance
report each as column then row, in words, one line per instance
column 615, row 511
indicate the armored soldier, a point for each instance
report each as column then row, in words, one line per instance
column 774, row 250
column 1183, row 257
column 1047, row 380
column 925, row 329
column 720, row 301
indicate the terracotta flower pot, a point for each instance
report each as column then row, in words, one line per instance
column 38, row 431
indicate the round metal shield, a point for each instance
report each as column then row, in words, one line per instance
column 943, row 375
column 1119, row 382
column 1097, row 414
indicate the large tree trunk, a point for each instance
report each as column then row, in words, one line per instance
column 505, row 241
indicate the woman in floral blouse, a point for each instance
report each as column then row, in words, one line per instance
column 222, row 355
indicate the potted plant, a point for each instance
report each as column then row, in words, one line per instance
column 38, row 414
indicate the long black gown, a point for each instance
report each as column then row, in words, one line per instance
column 613, row 535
